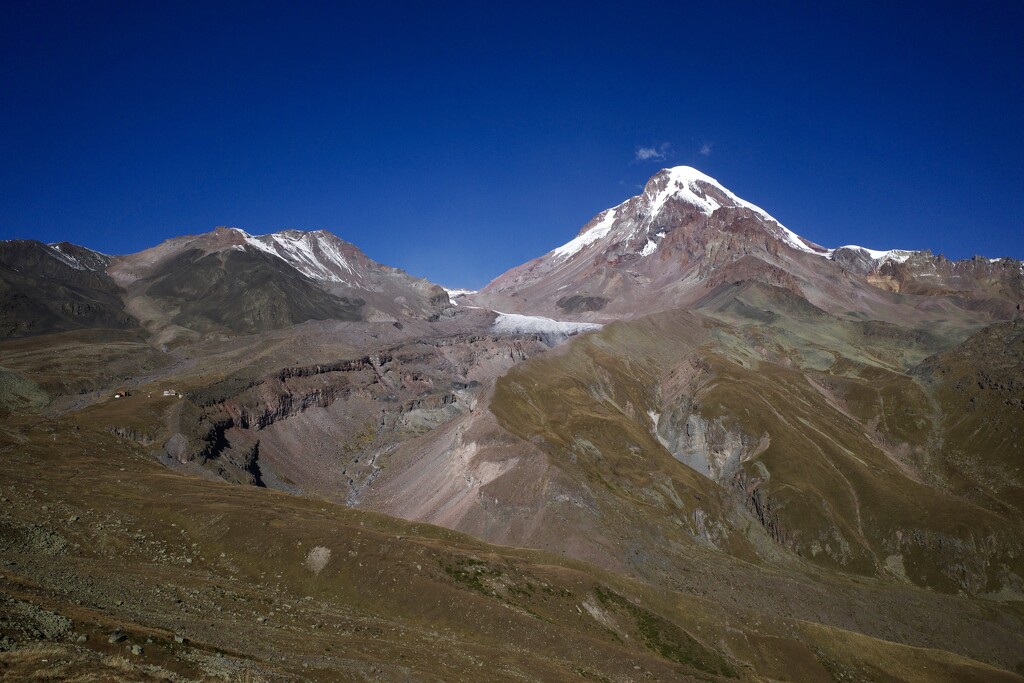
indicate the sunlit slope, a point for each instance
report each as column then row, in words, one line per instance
column 819, row 429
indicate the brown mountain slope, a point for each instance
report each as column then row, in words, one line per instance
column 228, row 281
column 210, row 580
column 609, row 449
column 56, row 288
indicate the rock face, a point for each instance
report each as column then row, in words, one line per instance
column 329, row 428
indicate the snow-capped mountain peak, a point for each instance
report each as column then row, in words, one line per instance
column 682, row 236
column 687, row 184
column 633, row 220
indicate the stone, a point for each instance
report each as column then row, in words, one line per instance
column 317, row 559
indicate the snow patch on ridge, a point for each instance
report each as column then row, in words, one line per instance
column 896, row 255
column 95, row 261
column 64, row 258
column 600, row 229
column 314, row 255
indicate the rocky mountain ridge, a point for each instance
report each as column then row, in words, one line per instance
column 686, row 233
column 225, row 281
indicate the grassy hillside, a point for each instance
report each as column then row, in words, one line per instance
column 212, row 580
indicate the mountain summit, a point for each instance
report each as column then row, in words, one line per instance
column 686, row 234
column 228, row 280
column 642, row 222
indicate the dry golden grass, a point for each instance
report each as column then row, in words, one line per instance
column 42, row 662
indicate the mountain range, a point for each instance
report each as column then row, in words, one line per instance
column 689, row 444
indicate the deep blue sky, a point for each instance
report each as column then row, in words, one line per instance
column 457, row 140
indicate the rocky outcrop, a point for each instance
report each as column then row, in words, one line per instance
column 347, row 412
column 708, row 447
column 759, row 503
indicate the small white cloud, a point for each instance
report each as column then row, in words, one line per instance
column 705, row 149
column 652, row 153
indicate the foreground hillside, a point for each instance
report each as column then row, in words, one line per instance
column 207, row 580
